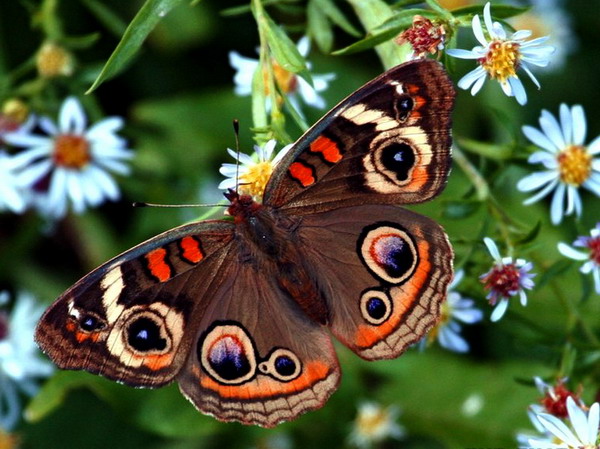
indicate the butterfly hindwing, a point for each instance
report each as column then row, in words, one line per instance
column 384, row 272
column 389, row 142
column 257, row 358
column 128, row 320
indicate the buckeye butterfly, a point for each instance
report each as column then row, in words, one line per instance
column 240, row 311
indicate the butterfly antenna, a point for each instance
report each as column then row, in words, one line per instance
column 144, row 204
column 236, row 131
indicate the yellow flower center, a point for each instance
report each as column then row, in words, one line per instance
column 372, row 424
column 71, row 151
column 254, row 181
column 53, row 60
column 575, row 165
column 502, row 60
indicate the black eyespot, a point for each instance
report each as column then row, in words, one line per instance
column 376, row 308
column 285, row 366
column 90, row 323
column 399, row 158
column 144, row 335
column 228, row 359
column 404, row 105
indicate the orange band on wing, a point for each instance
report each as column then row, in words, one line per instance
column 156, row 362
column 157, row 264
column 328, row 148
column 190, row 249
column 265, row 387
column 302, row 173
column 367, row 335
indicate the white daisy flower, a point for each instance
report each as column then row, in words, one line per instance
column 501, row 56
column 591, row 258
column 20, row 362
column 11, row 195
column 254, row 171
column 581, row 434
column 506, row 278
column 71, row 164
column 568, row 162
column 454, row 310
column 294, row 86
column 374, row 424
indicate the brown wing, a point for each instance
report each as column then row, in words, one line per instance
column 389, row 142
column 258, row 358
column 129, row 320
column 383, row 271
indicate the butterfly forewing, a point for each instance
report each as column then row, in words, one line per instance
column 389, row 142
column 128, row 319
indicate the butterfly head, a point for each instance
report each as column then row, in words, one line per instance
column 242, row 206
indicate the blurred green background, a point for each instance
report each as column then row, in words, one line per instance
column 178, row 101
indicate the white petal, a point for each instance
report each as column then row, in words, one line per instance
column 466, row 81
column 547, row 159
column 478, row 85
column 56, row 204
column 538, row 138
column 594, row 146
column 28, row 157
column 104, row 182
column 48, row 126
column 556, row 208
column 303, row 46
column 478, row 30
column 521, row 35
column 11, row 198
column 453, row 341
column 551, row 128
column 535, row 180
column 226, row 184
column 518, row 90
column 579, row 124
column 71, row 118
column 462, row 54
column 500, row 310
column 75, row 191
column 578, row 420
column 542, row 193
column 531, row 75
column 487, row 17
column 492, row 248
column 593, row 423
column 571, row 253
column 558, row 428
column 28, row 140
column 469, row 316
column 108, row 125
column 34, row 172
column 597, row 280
column 310, row 95
column 566, row 122
column 571, row 192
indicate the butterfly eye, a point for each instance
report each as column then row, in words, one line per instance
column 282, row 364
column 227, row 353
column 404, row 105
column 399, row 159
column 91, row 323
column 375, row 306
column 144, row 334
column 388, row 252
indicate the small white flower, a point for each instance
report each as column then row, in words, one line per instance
column 254, row 171
column 591, row 258
column 71, row 164
column 454, row 310
column 20, row 362
column 374, row 424
column 568, row 162
column 506, row 278
column 500, row 57
column 582, row 434
column 295, row 86
column 11, row 195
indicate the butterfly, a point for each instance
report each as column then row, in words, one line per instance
column 239, row 312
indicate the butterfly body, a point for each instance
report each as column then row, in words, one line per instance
column 240, row 311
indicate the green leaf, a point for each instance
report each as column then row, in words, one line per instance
column 319, row 27
column 337, row 16
column 284, row 50
column 555, row 270
column 498, row 11
column 531, row 235
column 142, row 24
column 460, row 209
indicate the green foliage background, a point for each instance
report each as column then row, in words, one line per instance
column 177, row 96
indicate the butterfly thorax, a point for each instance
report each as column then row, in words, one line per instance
column 269, row 242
